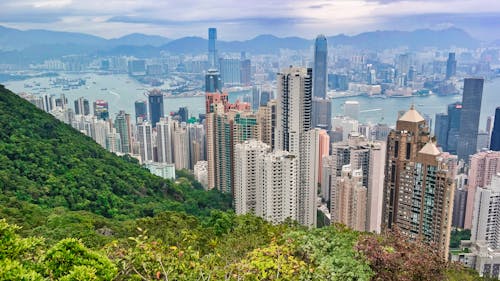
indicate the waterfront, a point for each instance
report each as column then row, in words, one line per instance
column 121, row 91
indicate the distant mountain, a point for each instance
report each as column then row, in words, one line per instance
column 138, row 39
column 14, row 39
column 34, row 46
column 417, row 39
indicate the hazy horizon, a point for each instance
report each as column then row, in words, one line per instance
column 238, row 21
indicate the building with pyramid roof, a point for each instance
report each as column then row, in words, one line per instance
column 418, row 189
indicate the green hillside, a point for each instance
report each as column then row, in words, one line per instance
column 86, row 214
column 47, row 163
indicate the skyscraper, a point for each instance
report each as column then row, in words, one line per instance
column 141, row 110
column 454, row 123
column 367, row 156
column 164, row 141
column 483, row 166
column 322, row 113
column 294, row 134
column 82, row 106
column 212, row 51
column 145, row 138
column 495, row 134
column 230, row 71
column 156, row 110
column 320, row 66
column 350, row 200
column 123, row 128
column 277, row 193
column 246, row 174
column 245, row 72
column 180, row 141
column 441, row 130
column 101, row 110
column 418, row 191
column 469, row 118
column 451, row 66
column 213, row 83
column 487, row 214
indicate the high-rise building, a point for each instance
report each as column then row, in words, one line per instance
column 294, row 134
column 441, row 130
column 197, row 143
column 246, row 72
column 82, row 106
column 454, row 123
column 320, row 67
column 460, row 201
column 246, row 156
column 212, row 51
column 141, row 111
column 113, row 142
column 451, row 66
column 101, row 109
column 183, row 114
column 267, row 123
column 368, row 156
column 213, row 82
column 200, row 172
column 483, row 166
column 265, row 97
column 164, row 144
column 277, row 193
column 145, row 138
column 351, row 199
column 322, row 117
column 495, row 134
column 230, row 71
column 483, row 253
column 123, row 128
column 469, row 117
column 180, row 141
column 486, row 216
column 418, row 190
column 156, row 110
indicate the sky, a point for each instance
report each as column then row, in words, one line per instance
column 244, row 19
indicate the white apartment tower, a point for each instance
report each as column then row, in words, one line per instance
column 277, row 187
column 486, row 217
column 246, row 157
column 164, row 141
column 293, row 134
column 145, row 138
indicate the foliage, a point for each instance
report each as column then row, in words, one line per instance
column 48, row 163
column 394, row 257
column 331, row 250
column 458, row 235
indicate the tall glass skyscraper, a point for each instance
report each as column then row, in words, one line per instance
column 495, row 135
column 320, row 67
column 213, row 82
column 156, row 111
column 212, row 52
column 141, row 110
column 469, row 117
column 451, row 66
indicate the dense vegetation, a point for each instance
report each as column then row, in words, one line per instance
column 48, row 163
column 86, row 214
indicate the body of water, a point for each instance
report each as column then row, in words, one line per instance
column 122, row 91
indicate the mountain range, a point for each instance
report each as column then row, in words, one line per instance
column 32, row 46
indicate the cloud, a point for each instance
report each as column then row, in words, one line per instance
column 244, row 19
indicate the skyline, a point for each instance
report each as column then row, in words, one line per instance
column 305, row 19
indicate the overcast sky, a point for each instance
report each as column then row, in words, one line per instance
column 244, row 19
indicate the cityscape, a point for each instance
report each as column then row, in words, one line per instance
column 400, row 137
